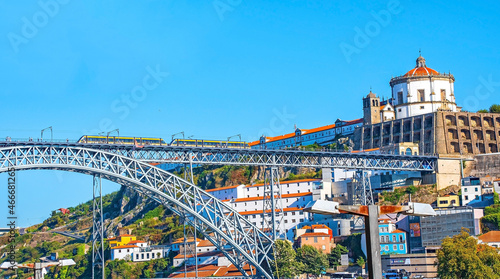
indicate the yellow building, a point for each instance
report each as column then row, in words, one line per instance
column 448, row 201
column 121, row 240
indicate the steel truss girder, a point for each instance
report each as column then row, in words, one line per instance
column 258, row 157
column 97, row 229
column 240, row 241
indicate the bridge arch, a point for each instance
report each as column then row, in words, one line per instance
column 240, row 241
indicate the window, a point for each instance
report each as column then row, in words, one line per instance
column 119, row 250
column 152, row 255
column 315, row 239
column 477, row 197
column 394, row 247
column 128, row 250
column 466, row 198
column 142, row 256
column 147, row 255
column 422, row 107
column 393, row 238
column 465, row 190
column 399, row 110
column 400, row 238
column 421, row 95
column 293, row 220
column 443, row 95
column 400, row 97
column 401, row 247
column 137, row 256
column 324, row 247
column 475, row 189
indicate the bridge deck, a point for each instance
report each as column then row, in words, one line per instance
column 253, row 157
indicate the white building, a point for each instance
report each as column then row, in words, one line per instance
column 423, row 90
column 248, row 200
column 471, row 190
column 301, row 137
column 139, row 251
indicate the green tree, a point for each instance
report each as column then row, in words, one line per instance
column 334, row 256
column 482, row 111
column 462, row 257
column 313, row 259
column 495, row 108
column 285, row 261
column 360, row 261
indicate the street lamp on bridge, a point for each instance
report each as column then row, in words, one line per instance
column 51, row 134
column 371, row 214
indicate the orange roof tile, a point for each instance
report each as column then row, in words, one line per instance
column 305, row 131
column 136, row 241
column 192, row 274
column 181, row 240
column 314, row 234
column 205, row 243
column 124, row 246
column 421, row 71
column 286, row 182
column 491, row 236
column 366, row 150
column 398, row 231
column 320, row 226
column 222, row 188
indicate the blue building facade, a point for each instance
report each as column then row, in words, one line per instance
column 392, row 240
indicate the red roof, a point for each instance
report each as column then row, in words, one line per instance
column 222, row 188
column 124, row 246
column 398, row 231
column 205, row 243
column 305, row 131
column 491, row 236
column 136, row 241
column 315, row 234
column 286, row 182
column 421, row 71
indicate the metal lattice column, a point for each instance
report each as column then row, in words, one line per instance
column 97, row 229
column 272, row 213
column 363, row 189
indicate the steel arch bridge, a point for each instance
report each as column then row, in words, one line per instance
column 240, row 241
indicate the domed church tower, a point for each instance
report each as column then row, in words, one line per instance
column 423, row 90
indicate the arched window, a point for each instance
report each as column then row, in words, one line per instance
column 408, row 151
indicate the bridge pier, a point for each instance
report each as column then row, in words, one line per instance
column 272, row 213
column 97, row 229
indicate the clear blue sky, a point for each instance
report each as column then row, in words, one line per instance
column 233, row 67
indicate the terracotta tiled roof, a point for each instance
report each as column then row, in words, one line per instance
column 366, row 150
column 320, row 226
column 398, row 231
column 205, row 243
column 192, row 274
column 286, row 182
column 222, row 188
column 204, row 254
column 181, row 240
column 136, row 241
column 421, row 71
column 305, row 131
column 491, row 236
column 314, row 234
column 124, row 246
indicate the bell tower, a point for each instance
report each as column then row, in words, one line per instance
column 371, row 109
